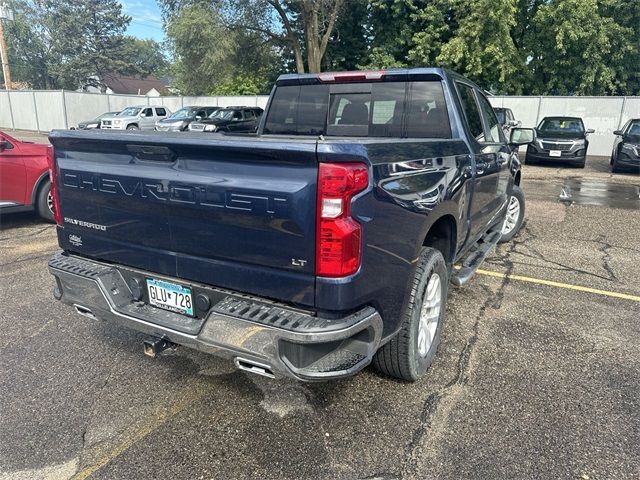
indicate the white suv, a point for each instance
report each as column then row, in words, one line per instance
column 141, row 117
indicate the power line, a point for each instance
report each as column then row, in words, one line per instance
column 138, row 22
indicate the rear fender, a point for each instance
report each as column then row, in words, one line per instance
column 443, row 209
column 42, row 180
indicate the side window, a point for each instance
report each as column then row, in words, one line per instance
column 7, row 144
column 161, row 112
column 147, row 112
column 201, row 113
column 471, row 111
column 494, row 131
column 427, row 115
column 249, row 115
column 237, row 115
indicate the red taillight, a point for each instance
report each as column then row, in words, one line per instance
column 57, row 215
column 358, row 76
column 339, row 236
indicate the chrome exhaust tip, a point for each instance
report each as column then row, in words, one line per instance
column 254, row 367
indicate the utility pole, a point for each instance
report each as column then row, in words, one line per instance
column 7, row 14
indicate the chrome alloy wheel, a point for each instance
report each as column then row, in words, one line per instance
column 50, row 201
column 513, row 213
column 429, row 314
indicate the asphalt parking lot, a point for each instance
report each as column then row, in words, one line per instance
column 538, row 374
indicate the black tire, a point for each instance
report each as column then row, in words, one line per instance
column 133, row 127
column 614, row 167
column 43, row 202
column 400, row 357
column 528, row 160
column 516, row 195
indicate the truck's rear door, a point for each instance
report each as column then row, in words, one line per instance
column 234, row 213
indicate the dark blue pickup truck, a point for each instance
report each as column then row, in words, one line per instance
column 323, row 242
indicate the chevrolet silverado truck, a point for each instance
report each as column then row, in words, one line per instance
column 322, row 243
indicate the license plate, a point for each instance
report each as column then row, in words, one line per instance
column 170, row 296
column 555, row 153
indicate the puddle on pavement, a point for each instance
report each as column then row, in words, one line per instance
column 581, row 192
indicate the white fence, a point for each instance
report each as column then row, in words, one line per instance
column 43, row 111
column 603, row 114
column 46, row 110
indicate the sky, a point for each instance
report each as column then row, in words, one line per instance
column 146, row 19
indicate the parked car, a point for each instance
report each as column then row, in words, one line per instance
column 95, row 123
column 506, row 118
column 24, row 177
column 560, row 139
column 626, row 147
column 140, row 117
column 229, row 119
column 180, row 120
column 323, row 243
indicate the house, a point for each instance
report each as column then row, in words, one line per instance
column 133, row 85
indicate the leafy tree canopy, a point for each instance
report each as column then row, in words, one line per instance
column 62, row 44
column 581, row 47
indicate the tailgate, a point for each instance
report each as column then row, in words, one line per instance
column 232, row 212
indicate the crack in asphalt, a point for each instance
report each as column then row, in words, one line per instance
column 27, row 235
column 430, row 406
column 606, row 257
column 537, row 255
column 26, row 259
column 612, row 245
column 92, row 410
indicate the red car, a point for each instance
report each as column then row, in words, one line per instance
column 24, row 177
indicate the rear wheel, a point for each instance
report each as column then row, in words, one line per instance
column 44, row 202
column 614, row 167
column 514, row 216
column 410, row 353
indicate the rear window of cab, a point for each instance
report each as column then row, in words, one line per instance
column 386, row 109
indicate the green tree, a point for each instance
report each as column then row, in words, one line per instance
column 239, row 85
column 209, row 55
column 349, row 43
column 146, row 56
column 201, row 44
column 482, row 47
column 392, row 31
column 62, row 44
column 86, row 40
column 28, row 48
column 303, row 26
column 580, row 50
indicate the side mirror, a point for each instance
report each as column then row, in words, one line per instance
column 514, row 123
column 522, row 136
column 198, row 118
column 618, row 132
column 590, row 130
